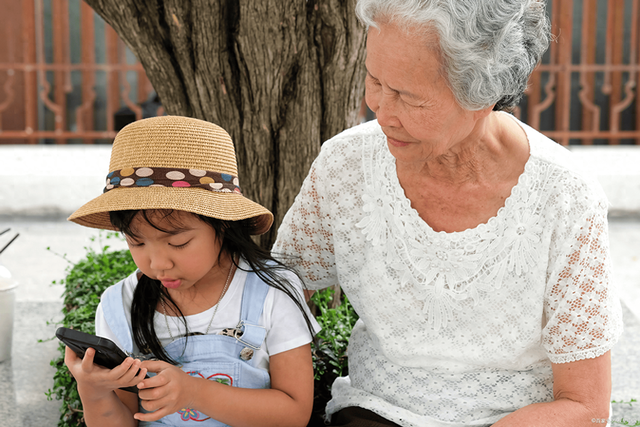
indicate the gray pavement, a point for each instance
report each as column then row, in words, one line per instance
column 27, row 376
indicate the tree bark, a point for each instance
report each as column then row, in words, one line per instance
column 281, row 76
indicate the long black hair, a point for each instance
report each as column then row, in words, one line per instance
column 236, row 242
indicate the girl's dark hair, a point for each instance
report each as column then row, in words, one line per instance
column 236, row 241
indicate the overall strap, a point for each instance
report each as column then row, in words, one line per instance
column 253, row 297
column 114, row 314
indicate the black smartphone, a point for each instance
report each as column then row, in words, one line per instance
column 108, row 354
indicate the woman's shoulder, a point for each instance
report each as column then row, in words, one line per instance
column 560, row 168
column 547, row 150
column 352, row 139
column 340, row 161
column 363, row 129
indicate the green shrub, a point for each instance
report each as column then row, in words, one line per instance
column 330, row 348
column 87, row 279
column 83, row 285
column 85, row 282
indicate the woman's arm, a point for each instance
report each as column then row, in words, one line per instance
column 288, row 403
column 102, row 403
column 581, row 392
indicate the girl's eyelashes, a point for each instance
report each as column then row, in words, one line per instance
column 133, row 242
column 136, row 243
column 180, row 246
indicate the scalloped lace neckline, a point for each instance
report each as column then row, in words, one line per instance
column 480, row 228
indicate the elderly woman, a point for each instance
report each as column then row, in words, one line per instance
column 473, row 248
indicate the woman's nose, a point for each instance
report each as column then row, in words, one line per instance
column 383, row 105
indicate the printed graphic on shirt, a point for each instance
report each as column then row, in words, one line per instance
column 188, row 414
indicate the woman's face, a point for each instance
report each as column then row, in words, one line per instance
column 412, row 101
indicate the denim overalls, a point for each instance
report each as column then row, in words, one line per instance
column 213, row 357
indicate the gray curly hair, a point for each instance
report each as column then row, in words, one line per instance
column 489, row 47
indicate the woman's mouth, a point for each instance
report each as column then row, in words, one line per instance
column 396, row 143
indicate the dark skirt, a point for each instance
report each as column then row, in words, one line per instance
column 358, row 417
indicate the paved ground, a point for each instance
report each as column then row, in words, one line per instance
column 27, row 376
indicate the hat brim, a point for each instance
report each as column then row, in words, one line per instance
column 224, row 206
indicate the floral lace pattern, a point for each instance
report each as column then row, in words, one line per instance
column 447, row 271
column 458, row 328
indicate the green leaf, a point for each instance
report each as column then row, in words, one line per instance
column 84, row 283
column 329, row 351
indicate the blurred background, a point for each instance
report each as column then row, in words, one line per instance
column 68, row 84
column 66, row 78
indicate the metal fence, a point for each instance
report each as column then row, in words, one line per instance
column 65, row 77
column 585, row 89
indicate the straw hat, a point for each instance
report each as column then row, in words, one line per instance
column 173, row 162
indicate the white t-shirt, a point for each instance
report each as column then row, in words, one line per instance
column 457, row 328
column 286, row 328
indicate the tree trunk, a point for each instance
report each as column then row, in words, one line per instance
column 280, row 76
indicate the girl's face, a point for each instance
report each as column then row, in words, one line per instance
column 182, row 256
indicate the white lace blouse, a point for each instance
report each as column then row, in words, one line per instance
column 457, row 328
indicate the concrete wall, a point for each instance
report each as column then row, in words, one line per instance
column 618, row 170
column 55, row 180
column 50, row 180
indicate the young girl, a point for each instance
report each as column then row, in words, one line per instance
column 220, row 328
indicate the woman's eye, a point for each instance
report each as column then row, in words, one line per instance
column 375, row 82
column 411, row 103
column 372, row 79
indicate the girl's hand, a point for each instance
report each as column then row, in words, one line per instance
column 95, row 381
column 165, row 393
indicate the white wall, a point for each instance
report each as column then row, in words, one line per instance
column 40, row 180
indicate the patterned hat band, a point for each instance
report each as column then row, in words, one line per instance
column 172, row 177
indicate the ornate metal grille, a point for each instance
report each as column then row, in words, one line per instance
column 585, row 90
column 65, row 76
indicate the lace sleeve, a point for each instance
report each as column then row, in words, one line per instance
column 583, row 313
column 305, row 240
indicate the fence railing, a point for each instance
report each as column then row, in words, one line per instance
column 66, row 77
column 53, row 92
column 585, row 91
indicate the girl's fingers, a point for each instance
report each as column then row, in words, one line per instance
column 153, row 382
column 70, row 356
column 151, row 416
column 97, row 377
column 156, row 366
column 149, row 394
column 158, row 409
column 141, row 374
column 152, row 399
column 123, row 373
column 128, row 370
column 87, row 360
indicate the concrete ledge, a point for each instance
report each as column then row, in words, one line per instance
column 55, row 180
column 49, row 180
column 618, row 170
